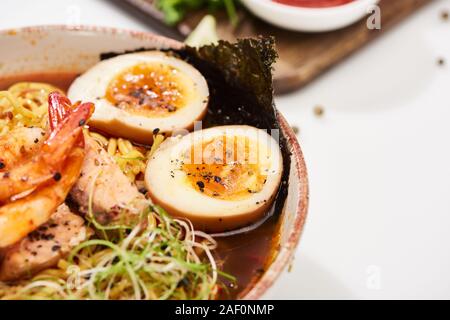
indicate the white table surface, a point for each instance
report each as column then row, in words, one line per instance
column 378, row 160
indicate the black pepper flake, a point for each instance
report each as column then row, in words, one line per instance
column 57, row 176
column 2, row 165
column 185, row 282
column 201, row 185
column 441, row 62
column 444, row 15
column 36, row 140
column 217, row 179
column 82, row 122
column 56, row 247
column 48, row 237
column 143, row 190
column 155, row 131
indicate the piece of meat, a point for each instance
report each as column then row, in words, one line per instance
column 115, row 197
column 43, row 247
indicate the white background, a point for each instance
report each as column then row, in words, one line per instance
column 378, row 160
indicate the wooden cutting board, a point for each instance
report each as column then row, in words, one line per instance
column 303, row 56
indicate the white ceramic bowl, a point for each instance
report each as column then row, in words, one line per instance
column 310, row 19
column 49, row 49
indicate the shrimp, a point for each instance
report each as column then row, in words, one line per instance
column 47, row 163
column 50, row 174
column 19, row 144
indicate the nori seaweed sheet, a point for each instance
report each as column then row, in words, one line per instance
column 239, row 77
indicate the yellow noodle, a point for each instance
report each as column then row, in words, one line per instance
column 123, row 147
column 112, row 146
column 156, row 142
column 98, row 137
column 63, row 264
column 128, row 144
column 131, row 160
column 24, row 105
column 22, row 88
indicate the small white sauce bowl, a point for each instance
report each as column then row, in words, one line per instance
column 310, row 19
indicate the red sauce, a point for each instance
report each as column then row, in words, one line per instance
column 314, row 3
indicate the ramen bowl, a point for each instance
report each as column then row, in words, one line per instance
column 64, row 50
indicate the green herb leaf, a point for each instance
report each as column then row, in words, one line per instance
column 175, row 10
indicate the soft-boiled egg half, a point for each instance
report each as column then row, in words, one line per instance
column 221, row 178
column 137, row 93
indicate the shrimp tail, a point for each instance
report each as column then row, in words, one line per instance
column 68, row 127
column 58, row 108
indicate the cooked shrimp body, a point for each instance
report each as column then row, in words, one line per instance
column 47, row 163
column 21, row 215
column 44, row 247
column 114, row 197
column 19, row 144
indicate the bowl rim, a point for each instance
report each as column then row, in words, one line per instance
column 286, row 252
column 288, row 9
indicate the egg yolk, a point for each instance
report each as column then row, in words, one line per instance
column 226, row 168
column 149, row 89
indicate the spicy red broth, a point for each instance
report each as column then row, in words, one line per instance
column 245, row 256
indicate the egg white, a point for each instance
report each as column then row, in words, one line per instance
column 93, row 84
column 168, row 186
